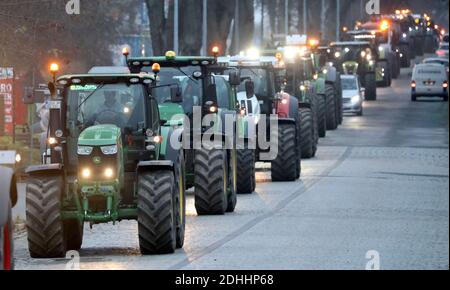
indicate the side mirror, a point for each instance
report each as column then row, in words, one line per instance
column 176, row 95
column 234, row 78
column 250, row 89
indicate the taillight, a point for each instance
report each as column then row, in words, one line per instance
column 445, row 85
column 413, row 84
column 6, row 248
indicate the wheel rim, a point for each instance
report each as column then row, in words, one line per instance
column 6, row 248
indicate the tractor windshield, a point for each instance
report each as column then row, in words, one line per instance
column 115, row 104
column 260, row 77
column 183, row 77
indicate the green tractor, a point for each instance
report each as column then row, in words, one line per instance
column 358, row 57
column 260, row 96
column 332, row 87
column 108, row 159
column 300, row 80
column 212, row 171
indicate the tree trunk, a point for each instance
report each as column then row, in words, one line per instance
column 191, row 27
column 157, row 25
column 220, row 15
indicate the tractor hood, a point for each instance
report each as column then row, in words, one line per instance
column 101, row 135
column 168, row 110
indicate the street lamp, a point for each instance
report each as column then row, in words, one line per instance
column 54, row 68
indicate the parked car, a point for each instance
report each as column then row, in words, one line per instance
column 438, row 60
column 352, row 94
column 442, row 50
column 8, row 198
column 429, row 80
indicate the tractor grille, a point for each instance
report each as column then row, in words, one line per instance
column 98, row 169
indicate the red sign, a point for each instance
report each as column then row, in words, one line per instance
column 6, row 96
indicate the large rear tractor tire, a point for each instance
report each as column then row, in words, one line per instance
column 322, row 116
column 285, row 165
column 405, row 61
column 232, row 180
column 45, row 227
column 211, row 188
column 386, row 67
column 246, row 172
column 306, row 133
column 157, row 223
column 180, row 200
column 331, row 108
column 371, row 87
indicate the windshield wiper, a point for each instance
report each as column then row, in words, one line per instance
column 87, row 98
column 188, row 76
column 90, row 95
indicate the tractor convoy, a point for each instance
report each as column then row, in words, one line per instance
column 126, row 143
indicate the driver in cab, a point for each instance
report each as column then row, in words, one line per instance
column 110, row 113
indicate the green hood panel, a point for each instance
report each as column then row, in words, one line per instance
column 168, row 110
column 101, row 135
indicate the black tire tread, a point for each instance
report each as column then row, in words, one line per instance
column 156, row 224
column 210, row 198
column 284, row 166
column 43, row 212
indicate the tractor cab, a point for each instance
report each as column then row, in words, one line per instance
column 109, row 116
column 361, row 58
column 259, row 73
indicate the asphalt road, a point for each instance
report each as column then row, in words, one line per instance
column 377, row 191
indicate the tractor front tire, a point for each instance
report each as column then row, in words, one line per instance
column 246, row 172
column 371, row 87
column 322, row 116
column 285, row 165
column 232, row 180
column 157, row 224
column 45, row 226
column 211, row 178
column 180, row 200
column 306, row 133
column 73, row 230
column 331, row 108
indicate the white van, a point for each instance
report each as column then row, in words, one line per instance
column 429, row 80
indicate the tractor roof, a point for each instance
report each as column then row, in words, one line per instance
column 350, row 43
column 103, row 78
column 263, row 61
column 175, row 61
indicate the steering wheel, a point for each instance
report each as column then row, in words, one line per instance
column 109, row 117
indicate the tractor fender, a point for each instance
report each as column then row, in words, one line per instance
column 44, row 168
column 320, row 86
column 289, row 108
column 155, row 165
column 8, row 192
column 331, row 76
column 169, row 152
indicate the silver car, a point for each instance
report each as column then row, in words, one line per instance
column 352, row 94
column 8, row 198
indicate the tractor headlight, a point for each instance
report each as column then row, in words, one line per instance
column 86, row 173
column 84, row 150
column 109, row 173
column 109, row 150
